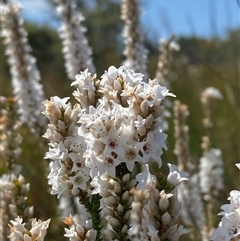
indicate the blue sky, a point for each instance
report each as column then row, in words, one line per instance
column 161, row 18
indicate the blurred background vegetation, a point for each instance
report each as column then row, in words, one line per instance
column 199, row 64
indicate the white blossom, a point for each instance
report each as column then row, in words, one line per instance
column 76, row 50
column 175, row 176
column 24, row 73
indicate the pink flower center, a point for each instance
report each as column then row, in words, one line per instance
column 113, row 143
column 146, row 148
column 150, row 97
column 109, row 161
column 79, row 164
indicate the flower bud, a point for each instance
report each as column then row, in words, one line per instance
column 113, row 200
column 149, row 121
column 120, row 208
column 80, row 230
column 144, row 108
column 163, row 202
column 61, row 126
column 113, row 222
column 126, row 177
column 166, row 218
column 127, row 215
column 124, row 229
column 125, row 196
column 117, row 187
column 91, row 235
column 132, row 184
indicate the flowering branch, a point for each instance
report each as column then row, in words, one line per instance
column 76, row 50
column 135, row 52
column 25, row 75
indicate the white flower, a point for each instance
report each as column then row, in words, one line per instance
column 60, row 103
column 229, row 228
column 153, row 95
column 211, row 172
column 78, row 162
column 145, row 179
column 101, row 184
column 234, row 203
column 175, row 176
column 79, row 180
column 59, row 153
column 139, row 124
column 105, row 163
column 110, row 75
column 71, row 233
column 131, row 156
column 238, row 165
column 114, row 142
column 174, row 232
column 153, row 232
column 152, row 147
column 77, row 143
column 37, row 231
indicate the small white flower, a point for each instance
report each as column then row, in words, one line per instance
column 79, row 180
column 152, row 147
column 105, row 163
column 131, row 156
column 77, row 143
column 175, row 176
column 59, row 153
column 152, row 95
column 37, row 231
column 101, row 183
column 229, row 228
column 145, row 179
column 234, row 203
column 114, row 142
column 174, row 232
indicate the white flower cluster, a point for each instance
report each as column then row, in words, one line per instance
column 25, row 75
column 211, row 173
column 124, row 126
column 13, row 201
column 192, row 212
column 155, row 211
column 229, row 227
column 76, row 50
column 20, row 233
column 10, row 139
column 77, row 232
column 166, row 47
column 97, row 145
column 134, row 51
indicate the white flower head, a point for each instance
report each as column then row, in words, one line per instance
column 175, row 176
column 131, row 156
